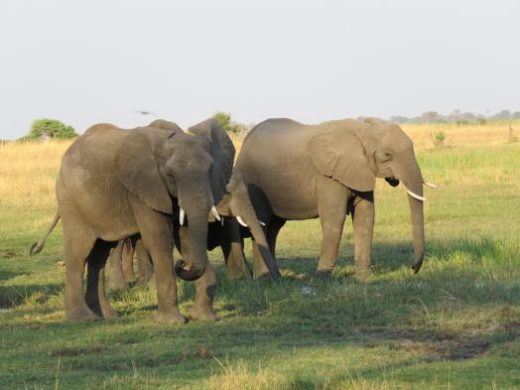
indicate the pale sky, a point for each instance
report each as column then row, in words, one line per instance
column 90, row 61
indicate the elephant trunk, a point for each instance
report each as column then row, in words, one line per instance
column 242, row 207
column 412, row 179
column 197, row 209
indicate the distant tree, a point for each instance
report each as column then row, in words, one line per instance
column 481, row 120
column 224, row 119
column 398, row 119
column 431, row 117
column 515, row 115
column 504, row 114
column 50, row 129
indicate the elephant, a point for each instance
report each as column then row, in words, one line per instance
column 296, row 171
column 121, row 264
column 225, row 234
column 116, row 184
column 236, row 212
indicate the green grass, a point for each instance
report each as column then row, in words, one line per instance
column 455, row 325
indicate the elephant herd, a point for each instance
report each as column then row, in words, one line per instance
column 157, row 187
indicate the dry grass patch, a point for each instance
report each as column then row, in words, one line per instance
column 241, row 376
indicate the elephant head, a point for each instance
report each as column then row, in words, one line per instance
column 229, row 190
column 355, row 152
column 171, row 170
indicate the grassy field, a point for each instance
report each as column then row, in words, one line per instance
column 455, row 325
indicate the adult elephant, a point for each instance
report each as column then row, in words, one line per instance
column 296, row 172
column 115, row 184
column 235, row 209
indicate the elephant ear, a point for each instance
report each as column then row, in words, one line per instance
column 340, row 155
column 222, row 151
column 137, row 168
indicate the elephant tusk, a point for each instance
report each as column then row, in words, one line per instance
column 261, row 223
column 241, row 221
column 431, row 185
column 413, row 194
column 215, row 213
column 182, row 214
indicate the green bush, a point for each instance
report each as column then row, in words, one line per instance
column 224, row 120
column 439, row 138
column 50, row 128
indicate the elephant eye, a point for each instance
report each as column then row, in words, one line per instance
column 384, row 157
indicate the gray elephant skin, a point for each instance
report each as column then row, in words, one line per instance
column 296, row 171
column 116, row 183
column 224, row 234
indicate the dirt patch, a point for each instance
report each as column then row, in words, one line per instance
column 432, row 345
column 7, row 254
column 459, row 349
column 77, row 351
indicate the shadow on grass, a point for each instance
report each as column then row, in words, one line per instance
column 395, row 313
column 6, row 275
column 12, row 296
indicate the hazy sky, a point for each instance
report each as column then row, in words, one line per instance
column 92, row 61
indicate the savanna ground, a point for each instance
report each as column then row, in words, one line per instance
column 454, row 325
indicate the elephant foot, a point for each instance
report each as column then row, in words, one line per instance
column 363, row 275
column 262, row 275
column 171, row 317
column 239, row 275
column 117, row 284
column 324, row 273
column 109, row 313
column 203, row 313
column 82, row 315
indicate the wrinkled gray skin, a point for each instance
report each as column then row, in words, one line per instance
column 225, row 235
column 296, row 172
column 235, row 202
column 115, row 183
column 135, row 184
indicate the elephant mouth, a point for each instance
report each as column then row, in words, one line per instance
column 392, row 181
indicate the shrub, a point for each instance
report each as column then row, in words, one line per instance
column 224, row 119
column 438, row 140
column 50, row 128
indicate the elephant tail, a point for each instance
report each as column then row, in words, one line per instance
column 38, row 246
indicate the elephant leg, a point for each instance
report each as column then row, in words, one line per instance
column 332, row 209
column 236, row 262
column 116, row 280
column 95, row 295
column 145, row 264
column 205, row 294
column 79, row 241
column 128, row 260
column 232, row 249
column 156, row 234
column 363, row 216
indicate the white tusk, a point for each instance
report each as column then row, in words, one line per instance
column 222, row 222
column 215, row 213
column 261, row 223
column 182, row 214
column 241, row 221
column 413, row 194
column 431, row 185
